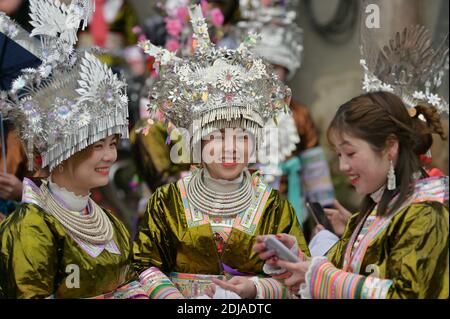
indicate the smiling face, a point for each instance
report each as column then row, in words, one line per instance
column 88, row 170
column 226, row 153
column 366, row 169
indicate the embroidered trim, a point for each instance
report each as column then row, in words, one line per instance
column 193, row 285
column 354, row 255
column 432, row 189
column 31, row 194
column 133, row 290
column 305, row 288
column 245, row 221
column 248, row 221
column 194, row 218
column 157, row 285
column 95, row 250
column 268, row 288
column 428, row 189
column 325, row 281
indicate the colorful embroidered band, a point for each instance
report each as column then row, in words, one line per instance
column 325, row 281
column 268, row 288
column 132, row 290
column 194, row 285
column 157, row 285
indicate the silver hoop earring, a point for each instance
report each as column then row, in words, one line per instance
column 391, row 185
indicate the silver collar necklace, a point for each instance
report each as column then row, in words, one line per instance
column 215, row 203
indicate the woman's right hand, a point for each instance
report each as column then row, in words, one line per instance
column 269, row 255
column 338, row 217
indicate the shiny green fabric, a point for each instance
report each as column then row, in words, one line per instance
column 165, row 241
column 412, row 251
column 35, row 250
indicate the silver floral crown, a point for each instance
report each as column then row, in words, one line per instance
column 407, row 66
column 214, row 88
column 281, row 38
column 71, row 100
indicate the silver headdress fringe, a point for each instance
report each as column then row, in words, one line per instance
column 407, row 66
column 281, row 38
column 215, row 87
column 71, row 100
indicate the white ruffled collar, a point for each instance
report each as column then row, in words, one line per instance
column 68, row 199
column 221, row 185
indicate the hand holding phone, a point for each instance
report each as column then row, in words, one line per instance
column 318, row 214
column 281, row 251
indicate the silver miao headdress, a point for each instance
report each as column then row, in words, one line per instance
column 407, row 66
column 71, row 100
column 215, row 88
column 281, row 38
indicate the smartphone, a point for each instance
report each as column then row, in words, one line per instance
column 318, row 214
column 282, row 252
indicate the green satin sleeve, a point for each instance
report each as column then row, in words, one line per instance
column 28, row 255
column 288, row 224
column 38, row 258
column 418, row 261
column 165, row 240
column 153, row 245
column 412, row 252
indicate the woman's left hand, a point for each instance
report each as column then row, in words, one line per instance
column 242, row 286
column 297, row 270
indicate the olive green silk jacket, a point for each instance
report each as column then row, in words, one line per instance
column 413, row 250
column 175, row 238
column 40, row 259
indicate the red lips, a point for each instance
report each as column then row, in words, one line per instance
column 104, row 172
column 233, row 164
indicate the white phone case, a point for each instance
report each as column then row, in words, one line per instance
column 282, row 252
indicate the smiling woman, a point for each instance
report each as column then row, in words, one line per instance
column 396, row 246
column 203, row 226
column 88, row 168
column 59, row 243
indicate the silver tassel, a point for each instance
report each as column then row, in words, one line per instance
column 391, row 185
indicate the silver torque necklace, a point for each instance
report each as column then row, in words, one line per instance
column 224, row 204
column 94, row 228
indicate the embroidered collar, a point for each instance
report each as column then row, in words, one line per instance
column 31, row 194
column 431, row 189
column 245, row 221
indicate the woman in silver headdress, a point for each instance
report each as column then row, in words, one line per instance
column 70, row 113
column 396, row 246
column 203, row 227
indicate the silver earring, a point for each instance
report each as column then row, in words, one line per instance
column 391, row 185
